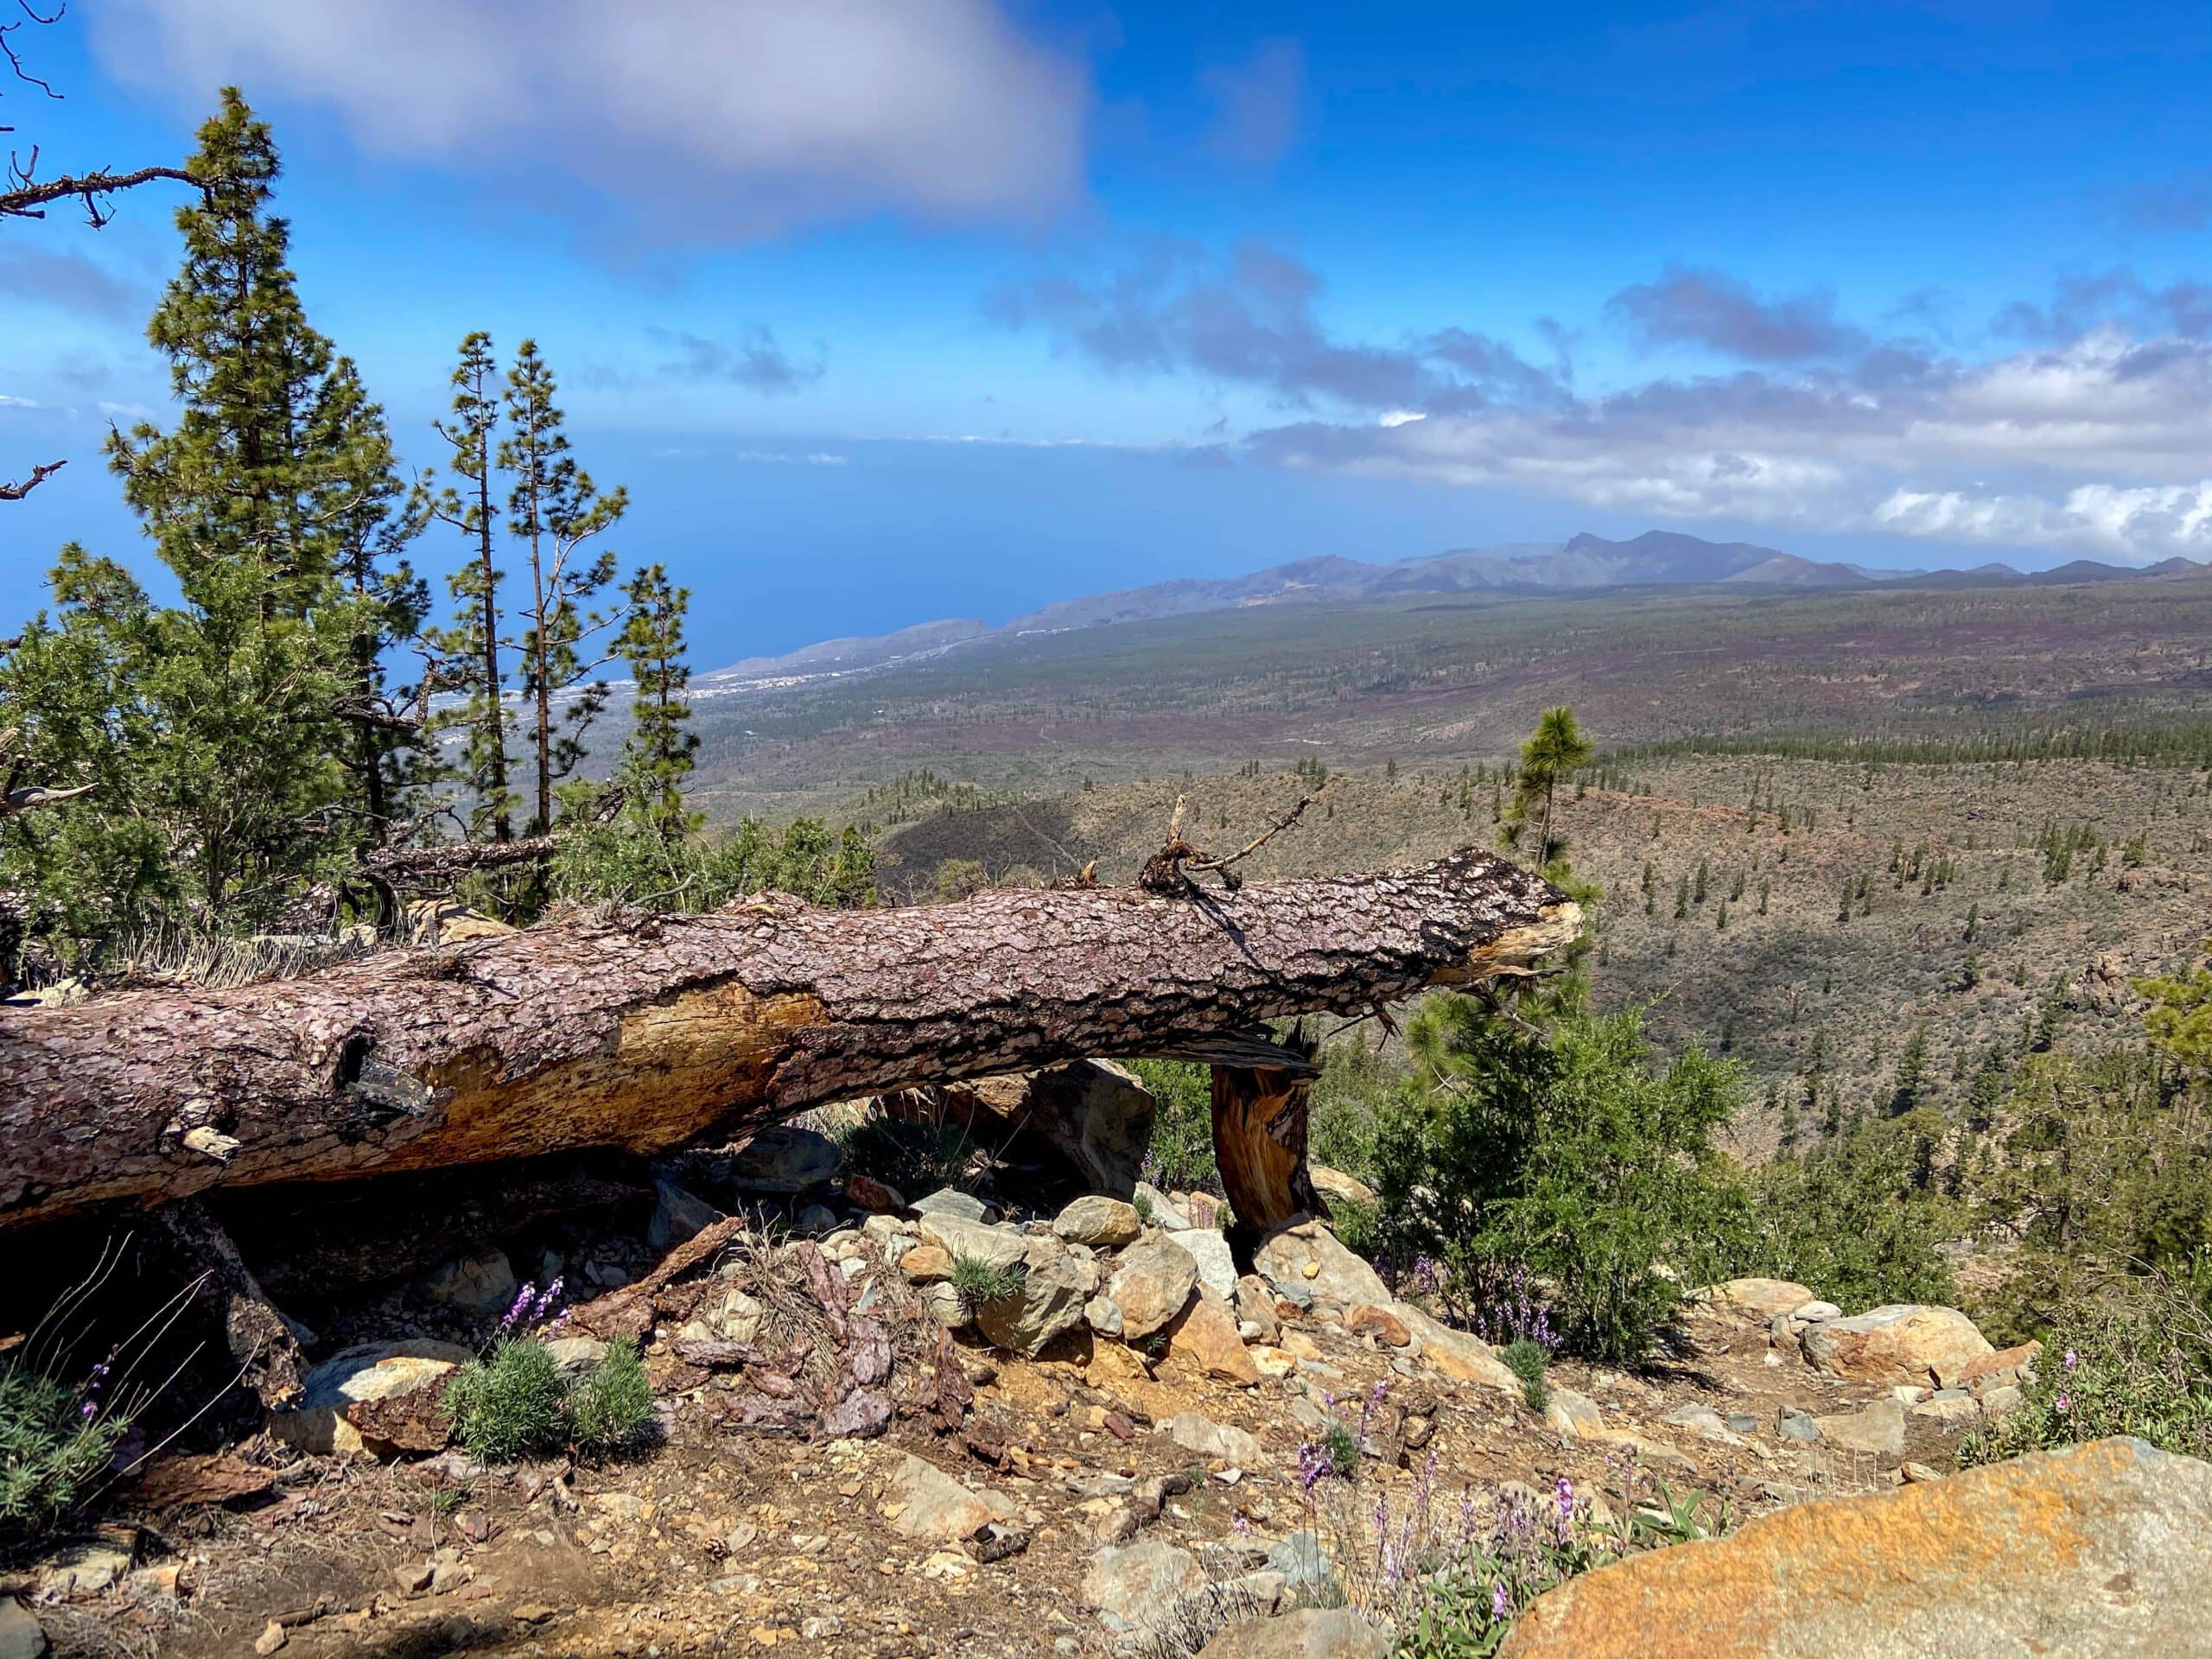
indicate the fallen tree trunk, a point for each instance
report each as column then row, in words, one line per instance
column 644, row 1032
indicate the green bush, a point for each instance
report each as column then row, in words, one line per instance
column 1528, row 1360
column 1180, row 1157
column 2134, row 1359
column 516, row 1401
column 1574, row 1154
column 610, row 1402
column 508, row 1404
column 978, row 1282
column 1357, row 1226
column 630, row 861
column 55, row 1445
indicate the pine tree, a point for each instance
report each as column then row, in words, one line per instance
column 470, row 644
column 222, row 720
column 657, row 756
column 1555, row 749
column 555, row 509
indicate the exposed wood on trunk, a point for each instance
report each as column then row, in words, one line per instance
column 644, row 1031
column 1259, row 1139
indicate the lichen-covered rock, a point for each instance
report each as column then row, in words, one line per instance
column 2098, row 1552
column 1460, row 1354
column 1050, row 1301
column 1216, row 1267
column 959, row 1238
column 924, row 1503
column 1097, row 1220
column 1309, row 1633
column 1906, row 1342
column 1879, row 1429
column 373, row 1372
column 1137, row 1583
column 1761, row 1298
column 1196, row 1432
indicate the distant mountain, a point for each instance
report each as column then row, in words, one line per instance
column 850, row 656
column 1582, row 563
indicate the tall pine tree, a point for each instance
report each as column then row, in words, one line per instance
column 216, row 729
column 658, row 754
column 554, row 510
column 469, row 647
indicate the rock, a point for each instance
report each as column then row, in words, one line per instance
column 678, row 1216
column 83, row 1569
column 1998, row 1403
column 942, row 1303
column 1764, row 1298
column 272, row 1637
column 1949, row 1406
column 815, row 1221
column 1136, row 1584
column 1050, row 1301
column 925, row 1503
column 480, row 1283
column 1878, row 1428
column 1573, row 1414
column 444, row 921
column 737, row 1318
column 1309, row 1633
column 1460, row 1354
column 1380, row 1322
column 926, row 1264
column 413, row 1578
column 1335, row 1184
column 784, row 1160
column 1158, row 1210
column 373, row 1372
column 873, row 1197
column 1203, row 1339
column 1196, row 1432
column 1151, row 1282
column 21, row 1636
column 1815, row 1312
column 2014, row 1365
column 576, row 1354
column 1100, row 1118
column 1097, row 1220
column 1256, row 1303
column 1217, row 1268
column 2097, row 1552
column 958, row 1236
column 1905, row 1342
column 1272, row 1362
column 1795, row 1425
column 1300, row 1559
column 1305, row 1254
column 1703, row 1422
column 950, row 1201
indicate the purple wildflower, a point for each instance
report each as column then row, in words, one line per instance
column 1566, row 1494
column 519, row 1312
column 545, row 1302
column 2063, row 1403
column 86, row 1410
column 2072, row 1359
column 1501, row 1604
column 1312, row 1464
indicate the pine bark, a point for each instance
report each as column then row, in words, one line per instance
column 643, row 1032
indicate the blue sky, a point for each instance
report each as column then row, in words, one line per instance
column 887, row 309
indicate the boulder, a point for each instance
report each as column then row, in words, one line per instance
column 21, row 1636
column 1305, row 1254
column 1094, row 1113
column 1202, row 1339
column 1196, row 1432
column 2007, row 1365
column 1256, row 1305
column 1879, row 1429
column 678, row 1216
column 2097, row 1552
column 925, row 1503
column 1137, row 1585
column 951, row 1201
column 477, row 1284
column 784, row 1160
column 1099, row 1221
column 1050, row 1301
column 1380, row 1322
column 1336, row 1185
column 1764, row 1298
column 447, row 921
column 1460, row 1354
column 373, row 1372
column 1905, row 1342
column 1309, row 1633
column 1216, row 1267
column 872, row 1197
column 996, row 1247
column 1150, row 1284
column 926, row 1264
column 1158, row 1210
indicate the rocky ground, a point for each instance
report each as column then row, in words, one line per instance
column 1122, row 1452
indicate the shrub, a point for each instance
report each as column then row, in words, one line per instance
column 1528, row 1360
column 630, row 861
column 56, row 1443
column 912, row 1159
column 977, row 1281
column 1573, row 1153
column 1356, row 1225
column 611, row 1402
column 1180, row 1157
column 508, row 1404
column 2136, row 1359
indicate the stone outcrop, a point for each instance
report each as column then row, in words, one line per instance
column 2098, row 1552
column 1902, row 1343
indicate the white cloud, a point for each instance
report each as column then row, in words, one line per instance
column 770, row 458
column 706, row 116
